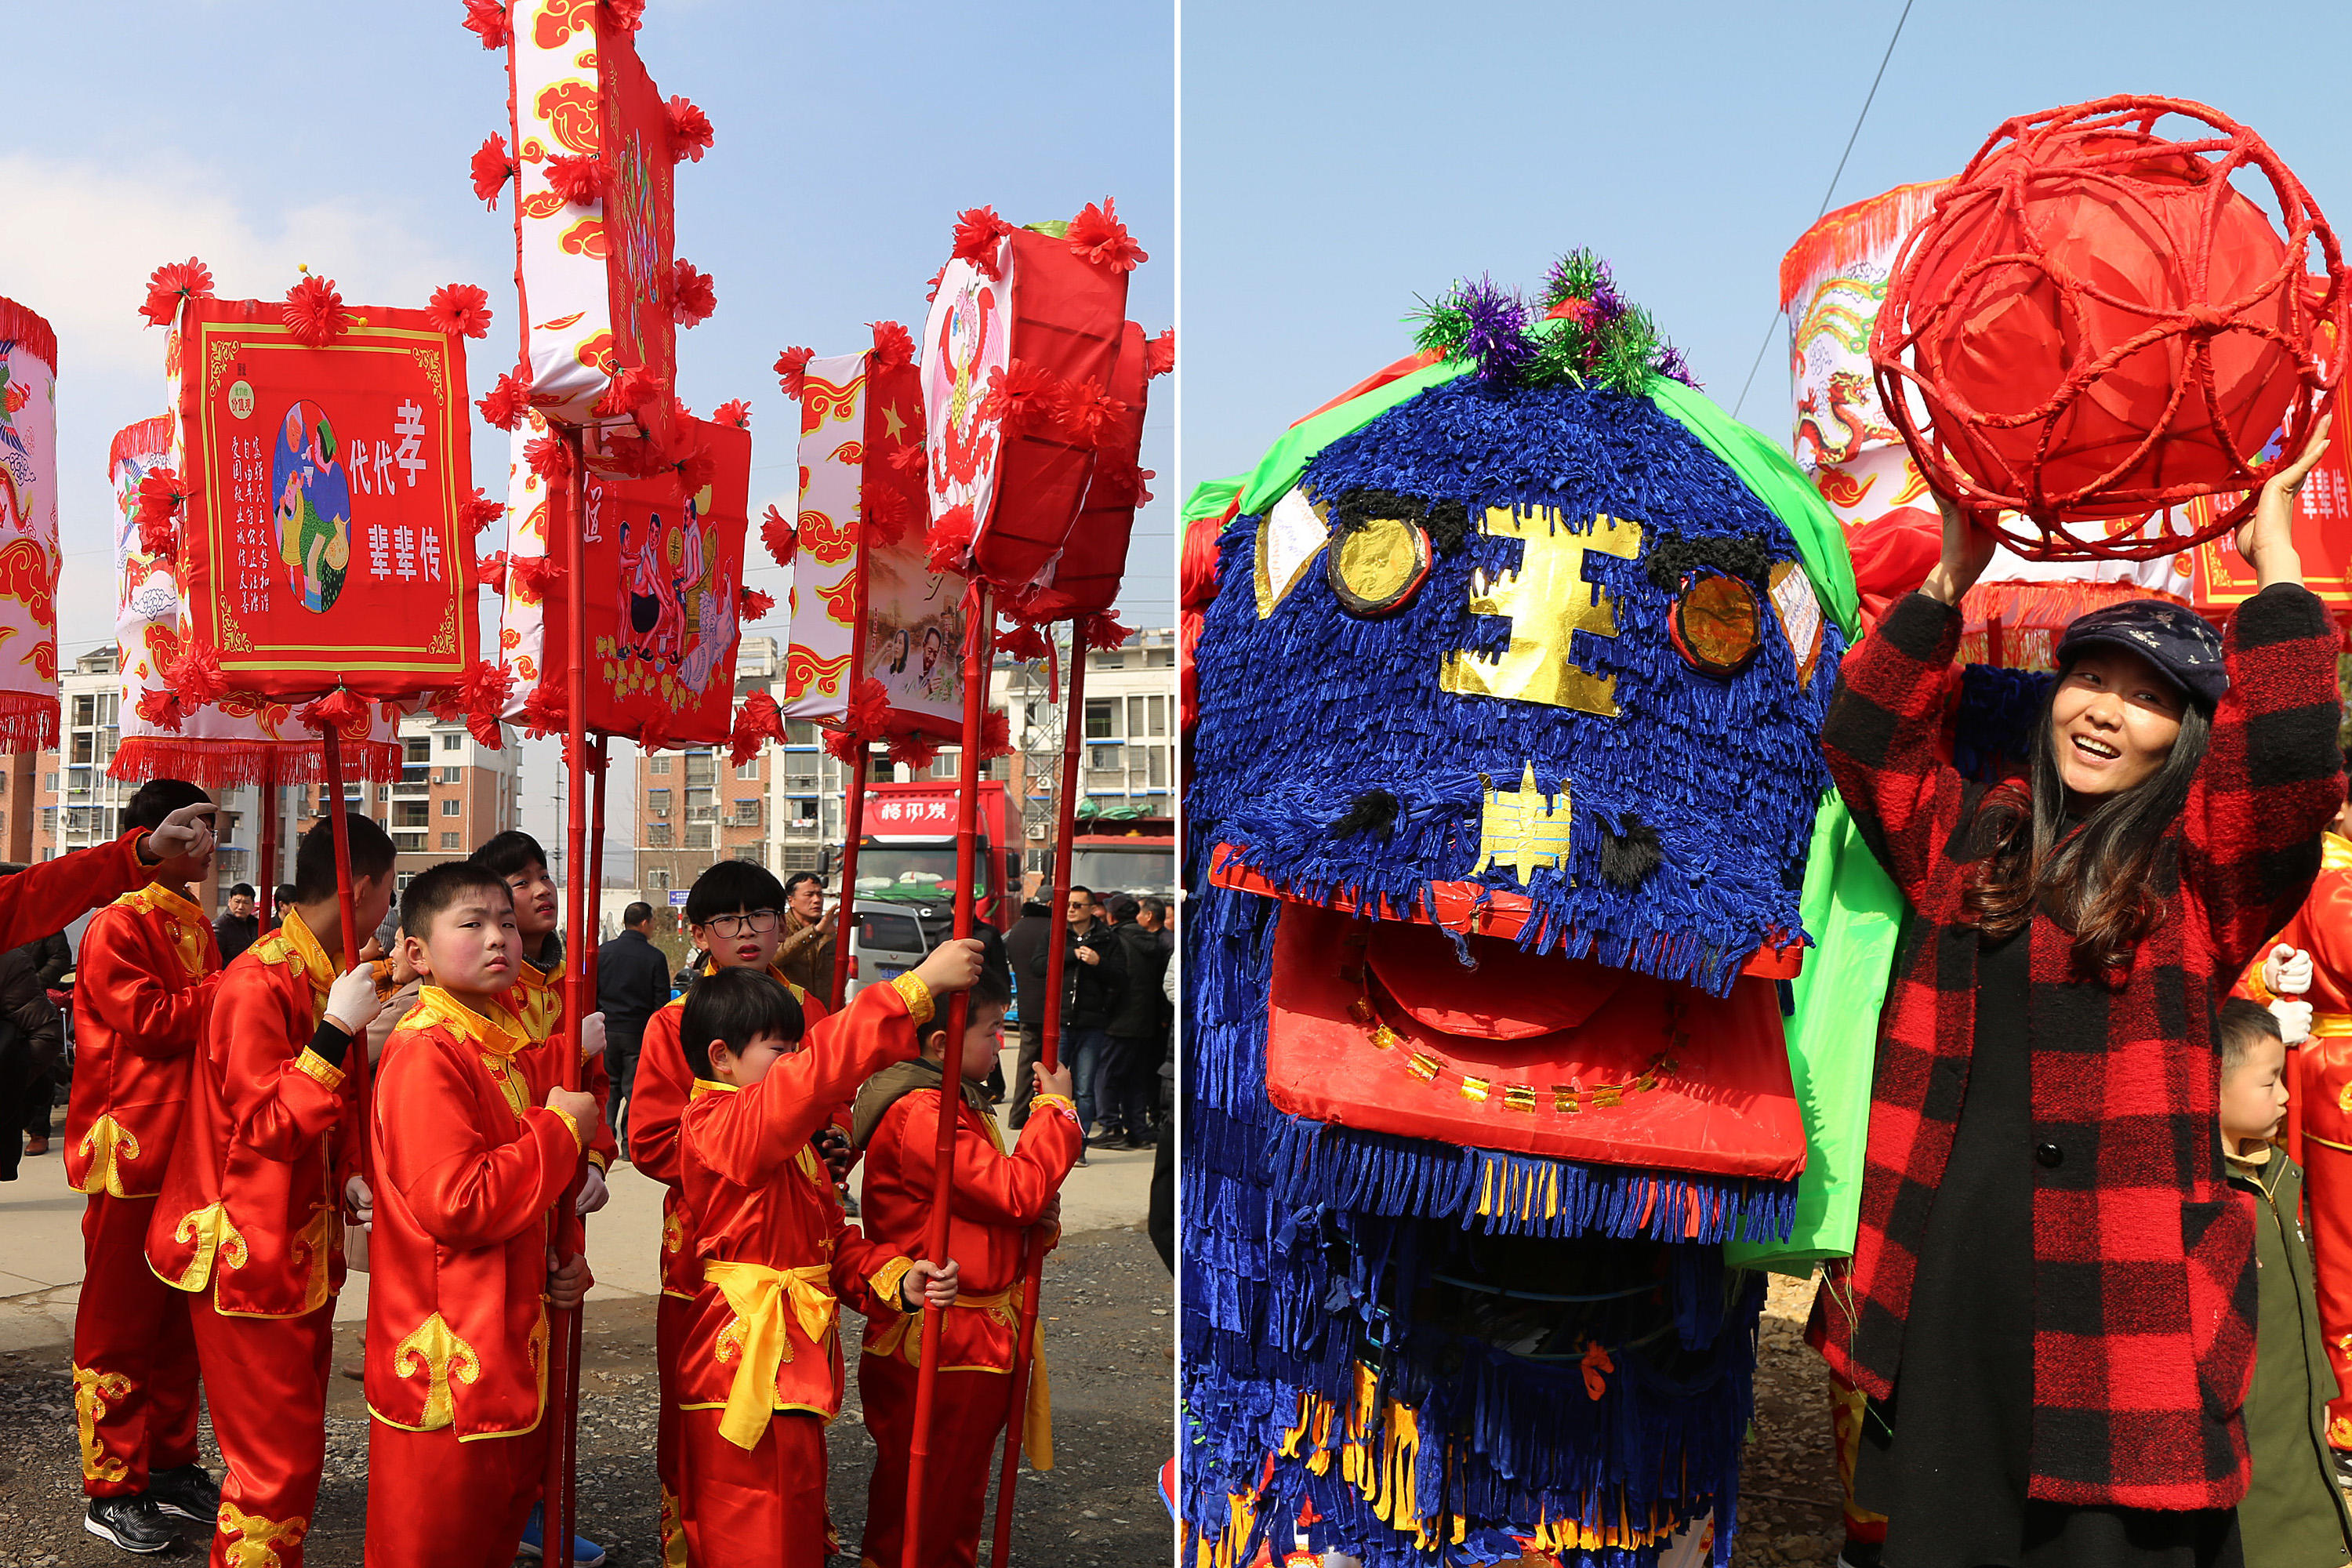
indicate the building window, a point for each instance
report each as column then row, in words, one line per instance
column 1135, row 716
column 702, row 768
column 747, row 813
column 657, row 835
column 85, row 709
column 408, row 813
column 697, row 838
column 452, row 741
column 800, row 732
column 1158, row 722
column 1102, row 717
column 50, row 783
column 657, row 880
column 453, row 807
column 1106, row 758
column 448, row 841
column 453, row 775
column 749, row 770
column 85, row 746
column 804, row 811
column 1156, row 761
column 416, row 749
column 701, row 805
column 657, row 803
column 658, row 764
column 755, row 853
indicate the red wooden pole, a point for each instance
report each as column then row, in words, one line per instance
column 852, row 819
column 980, row 644
column 355, row 1060
column 1033, row 1249
column 265, row 893
column 599, row 758
column 563, row 1341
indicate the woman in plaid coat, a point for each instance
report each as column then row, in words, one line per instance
column 2050, row 1303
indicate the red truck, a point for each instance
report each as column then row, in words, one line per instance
column 907, row 853
column 1136, row 856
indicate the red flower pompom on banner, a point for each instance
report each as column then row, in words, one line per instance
column 757, row 605
column 691, row 296
column 696, row 467
column 1159, row 354
column 484, row 697
column 690, row 130
column 977, row 230
column 1086, row 410
column 502, row 405
column 160, row 495
column 868, row 711
column 735, row 412
column 654, row 734
column 546, row 712
column 158, row 536
column 792, row 371
column 1024, row 640
column 314, row 313
column 577, row 178
column 1022, row 397
column 547, row 458
column 779, row 536
column 493, row 167
column 1103, row 633
column 932, row 289
column 1096, row 235
column 460, row 307
column 908, row 458
column 161, row 708
column 197, row 676
column 893, row 345
column 339, row 708
column 491, row 572
column 758, row 721
column 487, row 18
column 842, row 745
column 995, row 735
column 886, row 518
column 632, row 386
column 529, row 577
column 918, row 751
column 950, row 540
column 625, row 14
column 173, row 282
column 482, row 509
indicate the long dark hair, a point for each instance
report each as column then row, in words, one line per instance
column 2097, row 882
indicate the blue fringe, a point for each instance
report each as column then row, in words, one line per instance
column 1995, row 725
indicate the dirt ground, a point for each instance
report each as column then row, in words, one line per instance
column 1789, row 1508
column 1108, row 1329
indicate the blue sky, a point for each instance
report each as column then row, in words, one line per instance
column 1332, row 173
column 261, row 135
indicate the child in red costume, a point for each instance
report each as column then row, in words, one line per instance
column 475, row 1143
column 735, row 913
column 1000, row 1199
column 147, row 968
column 248, row 1223
column 759, row 1371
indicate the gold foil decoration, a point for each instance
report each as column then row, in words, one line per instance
column 1718, row 624
column 1377, row 564
column 1423, row 1066
column 1288, row 537
column 1547, row 600
column 1519, row 1097
column 1522, row 828
column 1474, row 1090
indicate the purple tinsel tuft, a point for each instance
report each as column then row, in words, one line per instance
column 1497, row 336
column 1672, row 365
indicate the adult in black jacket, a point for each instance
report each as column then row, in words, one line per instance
column 1094, row 979
column 1024, row 951
column 1128, row 1077
column 33, row 1039
column 632, row 984
column 238, row 927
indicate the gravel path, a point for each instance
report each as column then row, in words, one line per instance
column 1789, row 1502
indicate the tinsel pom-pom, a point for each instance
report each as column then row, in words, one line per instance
column 1022, row 397
column 578, row 178
column 482, row 509
column 160, row 707
column 486, row 692
column 314, row 312
column 977, row 231
column 197, row 676
column 493, row 167
column 907, row 457
column 627, row 15
column 995, row 735
column 950, row 546
column 547, row 711
column 1096, row 235
column 460, row 307
column 488, row 20
column 1159, row 354
column 1103, row 633
column 918, row 751
column 1496, row 332
column 735, row 412
column 690, row 130
column 545, row 455
column 757, row 722
column 792, row 371
column 893, row 345
column 779, row 536
column 696, row 466
column 173, row 282
column 692, row 298
column 503, row 405
column 341, row 710
column 757, row 605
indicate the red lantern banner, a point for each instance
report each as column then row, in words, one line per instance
column 2221, row 579
column 29, row 529
column 325, row 540
column 1083, row 577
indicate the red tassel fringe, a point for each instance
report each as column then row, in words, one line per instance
column 223, row 765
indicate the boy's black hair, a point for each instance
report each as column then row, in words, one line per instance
column 314, row 861
column 1123, row 909
column 993, row 988
column 505, row 854
column 2239, row 1024
column 735, row 1006
column 729, row 886
column 431, row 892
column 284, row 893
column 244, row 888
column 159, row 798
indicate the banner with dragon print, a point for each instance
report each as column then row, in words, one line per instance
column 860, row 563
column 1832, row 281
column 29, row 530
column 240, row 740
column 603, row 293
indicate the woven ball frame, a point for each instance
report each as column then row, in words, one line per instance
column 2085, row 142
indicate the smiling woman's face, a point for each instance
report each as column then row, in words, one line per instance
column 2114, row 720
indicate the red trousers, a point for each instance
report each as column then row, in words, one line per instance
column 134, row 1355
column 968, row 1412
column 756, row 1508
column 266, row 1381
column 669, row 1328
column 2327, row 1198
column 435, row 1502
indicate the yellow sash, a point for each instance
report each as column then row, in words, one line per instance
column 758, row 1295
column 902, row 1336
column 2330, row 1026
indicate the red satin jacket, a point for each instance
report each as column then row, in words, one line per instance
column 146, row 973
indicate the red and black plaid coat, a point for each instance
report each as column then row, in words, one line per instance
column 2143, row 1256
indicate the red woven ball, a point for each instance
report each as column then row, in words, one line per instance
column 2097, row 323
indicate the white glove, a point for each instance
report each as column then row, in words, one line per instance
column 2294, row 1019
column 593, row 1193
column 592, row 1041
column 2287, row 970
column 187, row 831
column 361, row 1201
column 351, row 1004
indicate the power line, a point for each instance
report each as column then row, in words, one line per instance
column 1772, row 328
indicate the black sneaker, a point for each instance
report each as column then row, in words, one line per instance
column 188, row 1490
column 133, row 1523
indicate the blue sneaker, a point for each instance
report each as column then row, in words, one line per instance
column 585, row 1553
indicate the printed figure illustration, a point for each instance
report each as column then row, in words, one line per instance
column 313, row 519
column 16, row 459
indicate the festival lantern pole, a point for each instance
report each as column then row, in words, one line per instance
column 853, row 824
column 980, row 644
column 599, row 758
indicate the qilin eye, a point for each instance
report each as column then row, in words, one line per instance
column 1716, row 625
column 1378, row 565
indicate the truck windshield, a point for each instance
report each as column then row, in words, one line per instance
column 1134, row 871
column 911, row 876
